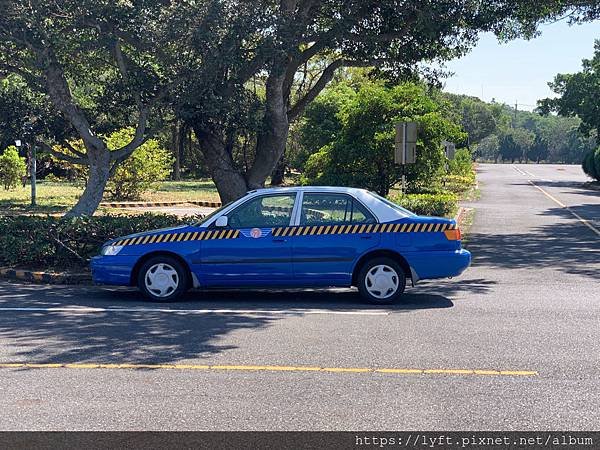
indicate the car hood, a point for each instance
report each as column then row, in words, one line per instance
column 150, row 232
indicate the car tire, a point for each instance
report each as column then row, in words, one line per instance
column 381, row 281
column 163, row 279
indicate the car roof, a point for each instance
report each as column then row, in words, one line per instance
column 337, row 189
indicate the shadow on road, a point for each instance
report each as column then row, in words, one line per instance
column 567, row 247
column 574, row 187
column 157, row 337
column 589, row 211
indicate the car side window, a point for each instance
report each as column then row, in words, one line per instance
column 263, row 212
column 326, row 209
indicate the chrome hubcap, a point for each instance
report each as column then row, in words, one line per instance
column 382, row 281
column 161, row 280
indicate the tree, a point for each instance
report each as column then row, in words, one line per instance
column 515, row 144
column 361, row 153
column 284, row 36
column 591, row 164
column 322, row 121
column 578, row 94
column 539, row 149
column 489, row 148
column 107, row 65
column 94, row 61
column 476, row 117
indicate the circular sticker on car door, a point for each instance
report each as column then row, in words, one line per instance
column 255, row 233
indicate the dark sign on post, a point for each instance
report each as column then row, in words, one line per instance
column 449, row 149
column 406, row 143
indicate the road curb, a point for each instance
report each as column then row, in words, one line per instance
column 125, row 205
column 459, row 214
column 45, row 277
column 463, row 219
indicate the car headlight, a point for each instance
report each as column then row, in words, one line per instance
column 111, row 250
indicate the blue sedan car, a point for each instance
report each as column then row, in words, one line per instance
column 289, row 237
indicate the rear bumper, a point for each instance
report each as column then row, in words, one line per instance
column 428, row 265
column 113, row 270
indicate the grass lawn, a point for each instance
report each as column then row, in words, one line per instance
column 55, row 197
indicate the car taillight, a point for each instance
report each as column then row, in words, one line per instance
column 453, row 235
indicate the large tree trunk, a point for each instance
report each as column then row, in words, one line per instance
column 99, row 163
column 271, row 140
column 228, row 179
column 278, row 175
column 270, row 146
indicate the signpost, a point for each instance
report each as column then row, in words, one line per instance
column 406, row 147
column 449, row 149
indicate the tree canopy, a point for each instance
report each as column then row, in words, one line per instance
column 578, row 94
column 238, row 73
column 361, row 152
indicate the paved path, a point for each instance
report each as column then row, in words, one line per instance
column 530, row 303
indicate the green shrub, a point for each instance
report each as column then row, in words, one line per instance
column 458, row 183
column 12, row 168
column 142, row 171
column 56, row 243
column 439, row 205
column 462, row 164
column 591, row 164
column 147, row 165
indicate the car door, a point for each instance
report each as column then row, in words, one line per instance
column 332, row 235
column 249, row 254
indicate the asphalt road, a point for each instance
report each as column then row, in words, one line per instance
column 530, row 302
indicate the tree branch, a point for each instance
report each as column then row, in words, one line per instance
column 74, row 150
column 60, row 94
column 138, row 139
column 64, row 156
column 321, row 83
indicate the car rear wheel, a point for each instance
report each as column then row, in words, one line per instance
column 163, row 279
column 381, row 281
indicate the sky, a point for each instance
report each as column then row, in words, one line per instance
column 519, row 71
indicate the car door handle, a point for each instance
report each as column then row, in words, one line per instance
column 279, row 240
column 366, row 237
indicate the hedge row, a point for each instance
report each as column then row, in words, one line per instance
column 50, row 242
column 445, row 204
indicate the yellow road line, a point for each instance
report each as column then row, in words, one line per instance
column 264, row 368
column 562, row 205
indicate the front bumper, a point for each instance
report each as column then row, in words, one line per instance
column 113, row 270
column 439, row 264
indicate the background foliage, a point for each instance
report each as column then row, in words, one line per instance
column 12, row 168
column 361, row 151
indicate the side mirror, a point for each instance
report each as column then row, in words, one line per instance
column 221, row 222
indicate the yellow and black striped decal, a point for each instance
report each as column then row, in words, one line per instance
column 180, row 237
column 318, row 230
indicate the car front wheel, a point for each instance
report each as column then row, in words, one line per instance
column 381, row 281
column 163, row 279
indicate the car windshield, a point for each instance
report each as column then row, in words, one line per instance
column 212, row 214
column 400, row 209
